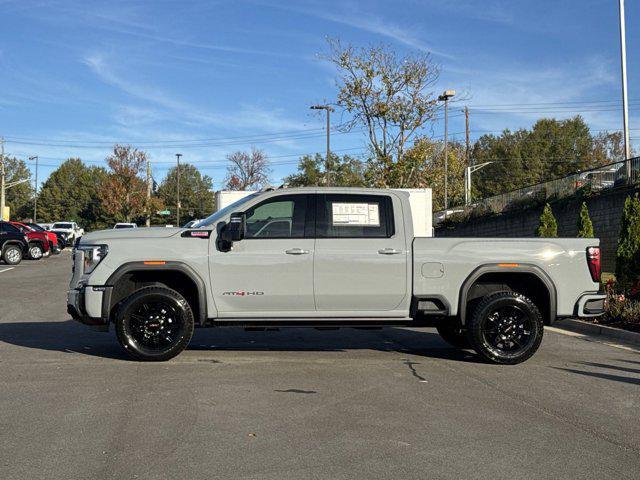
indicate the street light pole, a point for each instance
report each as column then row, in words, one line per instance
column 178, row 155
column 35, row 196
column 625, row 103
column 445, row 97
column 328, row 109
column 467, row 179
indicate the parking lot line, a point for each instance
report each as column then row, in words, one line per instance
column 6, row 269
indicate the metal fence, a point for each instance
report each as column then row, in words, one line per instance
column 613, row 175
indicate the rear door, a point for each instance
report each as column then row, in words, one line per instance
column 360, row 265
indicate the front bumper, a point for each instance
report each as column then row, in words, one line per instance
column 591, row 305
column 90, row 305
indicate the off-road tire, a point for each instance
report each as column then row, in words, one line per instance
column 490, row 312
column 452, row 333
column 132, row 327
column 12, row 254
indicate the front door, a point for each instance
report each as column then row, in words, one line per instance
column 270, row 272
column 360, row 265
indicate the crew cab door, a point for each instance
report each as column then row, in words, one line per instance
column 360, row 264
column 270, row 272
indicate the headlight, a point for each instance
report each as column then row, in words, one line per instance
column 92, row 256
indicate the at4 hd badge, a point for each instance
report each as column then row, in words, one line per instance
column 242, row 293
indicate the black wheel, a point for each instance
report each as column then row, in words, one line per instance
column 452, row 333
column 154, row 324
column 12, row 255
column 506, row 328
column 36, row 252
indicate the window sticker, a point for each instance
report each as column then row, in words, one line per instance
column 355, row 214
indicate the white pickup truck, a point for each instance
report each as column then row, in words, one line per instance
column 323, row 257
column 67, row 232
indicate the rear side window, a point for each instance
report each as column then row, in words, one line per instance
column 278, row 217
column 7, row 227
column 354, row 216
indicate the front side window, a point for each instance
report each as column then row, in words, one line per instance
column 354, row 216
column 7, row 227
column 277, row 217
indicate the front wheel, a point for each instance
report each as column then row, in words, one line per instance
column 154, row 324
column 506, row 328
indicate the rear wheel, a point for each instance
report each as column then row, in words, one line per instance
column 452, row 333
column 154, row 324
column 12, row 255
column 506, row 328
column 36, row 251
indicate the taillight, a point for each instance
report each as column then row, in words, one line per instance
column 593, row 260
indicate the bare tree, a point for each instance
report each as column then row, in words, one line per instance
column 247, row 170
column 386, row 95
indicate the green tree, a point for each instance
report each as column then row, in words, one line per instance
column 344, row 171
column 19, row 198
column 197, row 199
column 585, row 226
column 628, row 251
column 548, row 227
column 551, row 149
column 68, row 192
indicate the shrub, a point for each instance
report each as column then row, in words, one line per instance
column 548, row 225
column 585, row 226
column 628, row 252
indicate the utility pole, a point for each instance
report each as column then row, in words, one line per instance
column 445, row 98
column 466, row 134
column 35, row 197
column 625, row 103
column 178, row 155
column 328, row 109
column 149, row 187
column 2, row 180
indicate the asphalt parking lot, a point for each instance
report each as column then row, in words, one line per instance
column 393, row 403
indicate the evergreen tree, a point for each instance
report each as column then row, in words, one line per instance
column 585, row 226
column 628, row 252
column 19, row 197
column 548, row 227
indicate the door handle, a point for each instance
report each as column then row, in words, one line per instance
column 389, row 251
column 296, row 251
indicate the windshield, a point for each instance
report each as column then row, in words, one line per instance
column 36, row 227
column 211, row 219
column 62, row 225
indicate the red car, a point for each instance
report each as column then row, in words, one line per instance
column 54, row 244
column 38, row 241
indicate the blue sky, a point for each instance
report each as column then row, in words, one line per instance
column 205, row 78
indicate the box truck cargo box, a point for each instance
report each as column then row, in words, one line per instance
column 224, row 198
column 421, row 210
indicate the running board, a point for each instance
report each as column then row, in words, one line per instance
column 363, row 323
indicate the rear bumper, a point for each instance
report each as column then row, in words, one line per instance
column 591, row 305
column 90, row 305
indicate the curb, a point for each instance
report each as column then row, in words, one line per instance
column 594, row 329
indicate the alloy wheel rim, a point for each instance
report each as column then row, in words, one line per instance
column 508, row 330
column 35, row 252
column 13, row 255
column 156, row 325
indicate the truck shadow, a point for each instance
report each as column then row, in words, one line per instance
column 73, row 338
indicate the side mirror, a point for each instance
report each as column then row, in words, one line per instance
column 235, row 229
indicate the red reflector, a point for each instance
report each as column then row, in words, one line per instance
column 593, row 260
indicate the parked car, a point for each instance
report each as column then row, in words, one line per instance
column 124, row 225
column 13, row 244
column 45, row 226
column 68, row 232
column 38, row 241
column 51, row 236
column 323, row 257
